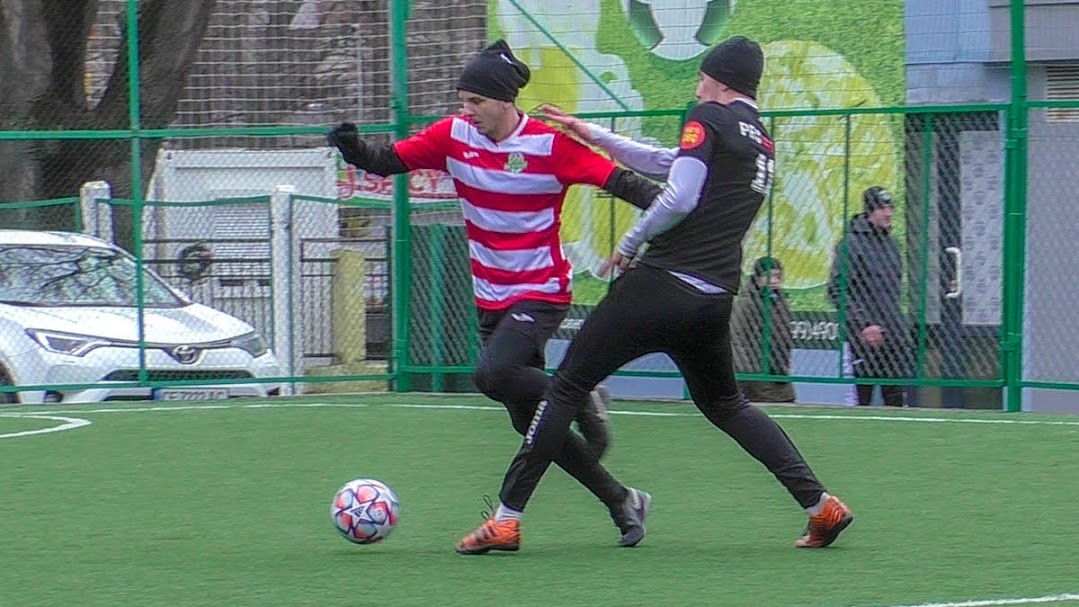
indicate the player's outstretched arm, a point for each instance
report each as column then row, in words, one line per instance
column 643, row 158
column 377, row 158
column 574, row 163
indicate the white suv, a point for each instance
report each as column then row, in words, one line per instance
column 69, row 329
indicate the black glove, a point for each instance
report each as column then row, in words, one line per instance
column 346, row 138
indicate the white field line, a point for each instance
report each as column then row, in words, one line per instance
column 958, row 419
column 1033, row 600
column 67, row 423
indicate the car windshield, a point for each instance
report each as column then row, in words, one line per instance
column 64, row 275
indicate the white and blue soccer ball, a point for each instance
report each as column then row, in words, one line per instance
column 365, row 511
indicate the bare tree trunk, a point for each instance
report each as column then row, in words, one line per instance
column 25, row 65
column 43, row 61
column 169, row 37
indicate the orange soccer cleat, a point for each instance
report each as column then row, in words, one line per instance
column 826, row 526
column 492, row 535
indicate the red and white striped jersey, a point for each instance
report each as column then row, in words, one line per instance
column 511, row 194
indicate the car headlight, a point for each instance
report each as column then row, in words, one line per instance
column 252, row 343
column 71, row 344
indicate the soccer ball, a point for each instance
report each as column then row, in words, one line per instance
column 364, row 511
column 678, row 29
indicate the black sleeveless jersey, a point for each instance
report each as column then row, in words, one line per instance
column 740, row 158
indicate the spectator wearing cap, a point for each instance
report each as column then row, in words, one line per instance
column 866, row 286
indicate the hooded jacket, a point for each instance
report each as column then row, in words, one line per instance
column 868, row 258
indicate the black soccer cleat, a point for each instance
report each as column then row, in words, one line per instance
column 629, row 518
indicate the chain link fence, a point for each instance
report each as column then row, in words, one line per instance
column 1049, row 334
column 237, row 255
column 890, row 273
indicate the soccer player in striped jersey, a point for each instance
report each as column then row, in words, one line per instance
column 677, row 298
column 511, row 173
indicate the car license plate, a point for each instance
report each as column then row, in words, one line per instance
column 191, row 394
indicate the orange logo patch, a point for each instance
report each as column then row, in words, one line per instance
column 692, row 135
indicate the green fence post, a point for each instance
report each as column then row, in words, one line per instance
column 438, row 310
column 841, row 251
column 923, row 272
column 135, row 124
column 681, row 125
column 766, row 330
column 1015, row 159
column 402, row 232
column 612, row 231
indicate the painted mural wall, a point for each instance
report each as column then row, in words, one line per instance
column 632, row 55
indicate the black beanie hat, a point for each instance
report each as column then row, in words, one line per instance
column 495, row 73
column 737, row 62
column 875, row 198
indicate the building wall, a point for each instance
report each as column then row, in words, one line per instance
column 957, row 52
column 1052, row 30
column 948, row 53
column 1050, row 332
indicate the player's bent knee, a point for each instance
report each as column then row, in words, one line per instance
column 489, row 379
column 504, row 382
column 723, row 409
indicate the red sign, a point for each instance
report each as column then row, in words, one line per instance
column 424, row 185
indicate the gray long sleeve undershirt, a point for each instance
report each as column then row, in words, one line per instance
column 686, row 177
column 679, row 197
column 645, row 159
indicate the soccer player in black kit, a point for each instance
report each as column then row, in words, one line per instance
column 676, row 298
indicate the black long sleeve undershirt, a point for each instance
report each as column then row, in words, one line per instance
column 377, row 158
column 631, row 187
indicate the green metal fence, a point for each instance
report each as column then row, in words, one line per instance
column 359, row 283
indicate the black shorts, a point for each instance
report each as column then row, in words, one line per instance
column 538, row 320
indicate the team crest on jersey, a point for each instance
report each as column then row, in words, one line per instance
column 515, row 163
column 692, row 135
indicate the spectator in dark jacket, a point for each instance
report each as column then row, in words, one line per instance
column 763, row 298
column 866, row 285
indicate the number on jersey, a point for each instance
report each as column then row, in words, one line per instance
column 766, row 170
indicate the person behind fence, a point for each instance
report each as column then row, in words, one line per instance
column 866, row 286
column 676, row 299
column 511, row 173
column 761, row 333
